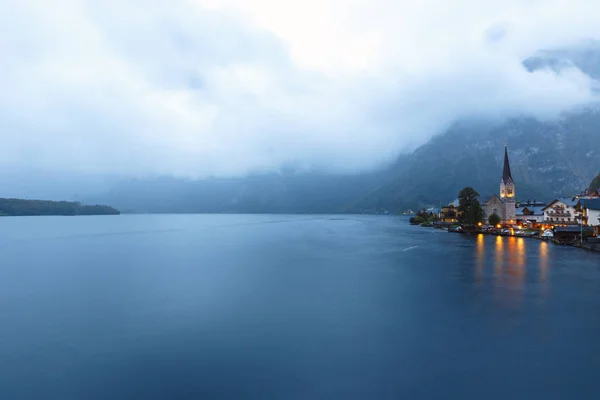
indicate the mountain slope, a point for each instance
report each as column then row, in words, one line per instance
column 595, row 184
column 267, row 193
column 548, row 159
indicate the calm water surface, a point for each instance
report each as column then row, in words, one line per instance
column 290, row 307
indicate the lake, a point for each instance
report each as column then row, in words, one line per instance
column 290, row 307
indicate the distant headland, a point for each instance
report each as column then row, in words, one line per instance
column 21, row 207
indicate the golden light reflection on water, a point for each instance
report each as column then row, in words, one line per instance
column 543, row 261
column 516, row 266
column 509, row 267
column 498, row 259
column 480, row 253
column 513, row 270
column 512, row 258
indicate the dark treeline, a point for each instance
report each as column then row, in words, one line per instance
column 20, row 207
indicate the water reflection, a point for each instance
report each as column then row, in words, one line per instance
column 516, row 252
column 515, row 267
column 498, row 259
column 511, row 258
column 516, row 261
column 480, row 256
column 543, row 255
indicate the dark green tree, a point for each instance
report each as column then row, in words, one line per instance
column 14, row 207
column 423, row 214
column 469, row 209
column 595, row 184
column 494, row 219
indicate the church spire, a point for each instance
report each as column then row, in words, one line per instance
column 506, row 175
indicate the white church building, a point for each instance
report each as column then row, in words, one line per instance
column 504, row 205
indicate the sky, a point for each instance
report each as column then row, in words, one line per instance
column 198, row 88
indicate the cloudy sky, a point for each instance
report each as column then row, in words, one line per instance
column 197, row 88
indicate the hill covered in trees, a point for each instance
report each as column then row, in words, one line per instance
column 549, row 159
column 595, row 184
column 20, row 207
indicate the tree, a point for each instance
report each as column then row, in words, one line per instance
column 423, row 214
column 595, row 184
column 469, row 209
column 494, row 219
column 46, row 207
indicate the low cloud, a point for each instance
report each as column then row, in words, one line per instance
column 223, row 88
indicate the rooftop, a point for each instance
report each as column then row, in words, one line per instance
column 568, row 201
column 573, row 229
column 532, row 203
column 484, row 199
column 537, row 210
column 591, row 204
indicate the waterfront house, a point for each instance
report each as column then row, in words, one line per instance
column 531, row 211
column 568, row 234
column 561, row 211
column 436, row 212
column 449, row 214
column 590, row 208
column 590, row 194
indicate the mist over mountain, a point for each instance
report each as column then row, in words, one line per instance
column 236, row 106
column 550, row 158
column 584, row 56
column 265, row 193
column 229, row 88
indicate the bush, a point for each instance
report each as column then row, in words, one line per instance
column 494, row 219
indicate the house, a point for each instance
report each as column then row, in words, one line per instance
column 591, row 212
column 531, row 211
column 449, row 214
column 590, row 194
column 504, row 205
column 561, row 211
column 492, row 204
column 567, row 234
column 436, row 212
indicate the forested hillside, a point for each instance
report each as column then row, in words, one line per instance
column 20, row 207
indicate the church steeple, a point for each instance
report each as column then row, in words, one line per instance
column 506, row 175
column 507, row 185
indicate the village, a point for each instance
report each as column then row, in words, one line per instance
column 567, row 220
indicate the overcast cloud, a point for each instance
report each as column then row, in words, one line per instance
column 226, row 87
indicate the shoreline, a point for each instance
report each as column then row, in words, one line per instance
column 591, row 247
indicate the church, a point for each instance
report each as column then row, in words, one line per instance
column 504, row 205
